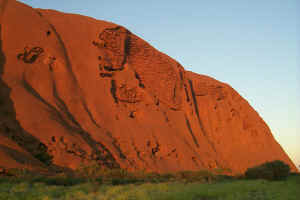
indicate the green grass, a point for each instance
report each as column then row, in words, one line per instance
column 179, row 189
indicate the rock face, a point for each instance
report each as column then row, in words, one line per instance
column 77, row 90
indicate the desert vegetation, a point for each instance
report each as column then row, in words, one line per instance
column 275, row 170
column 266, row 181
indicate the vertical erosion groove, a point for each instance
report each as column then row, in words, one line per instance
column 113, row 90
column 126, row 46
column 198, row 116
column 184, row 85
column 196, row 107
column 191, row 131
column 63, row 107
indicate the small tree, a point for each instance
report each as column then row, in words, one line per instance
column 275, row 170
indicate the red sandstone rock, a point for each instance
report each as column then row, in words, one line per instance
column 82, row 90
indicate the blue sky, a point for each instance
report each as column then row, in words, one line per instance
column 252, row 45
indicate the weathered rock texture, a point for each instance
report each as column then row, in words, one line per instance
column 79, row 90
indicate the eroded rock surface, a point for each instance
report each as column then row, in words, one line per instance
column 76, row 90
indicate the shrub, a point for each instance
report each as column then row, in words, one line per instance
column 99, row 180
column 59, row 180
column 275, row 170
column 91, row 170
column 123, row 181
column 17, row 172
column 222, row 171
column 44, row 157
column 223, row 177
column 65, row 181
column 117, row 173
column 196, row 176
column 294, row 174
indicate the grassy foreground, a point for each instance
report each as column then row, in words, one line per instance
column 218, row 190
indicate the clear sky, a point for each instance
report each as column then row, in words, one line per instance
column 254, row 45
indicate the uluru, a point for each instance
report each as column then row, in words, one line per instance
column 76, row 90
